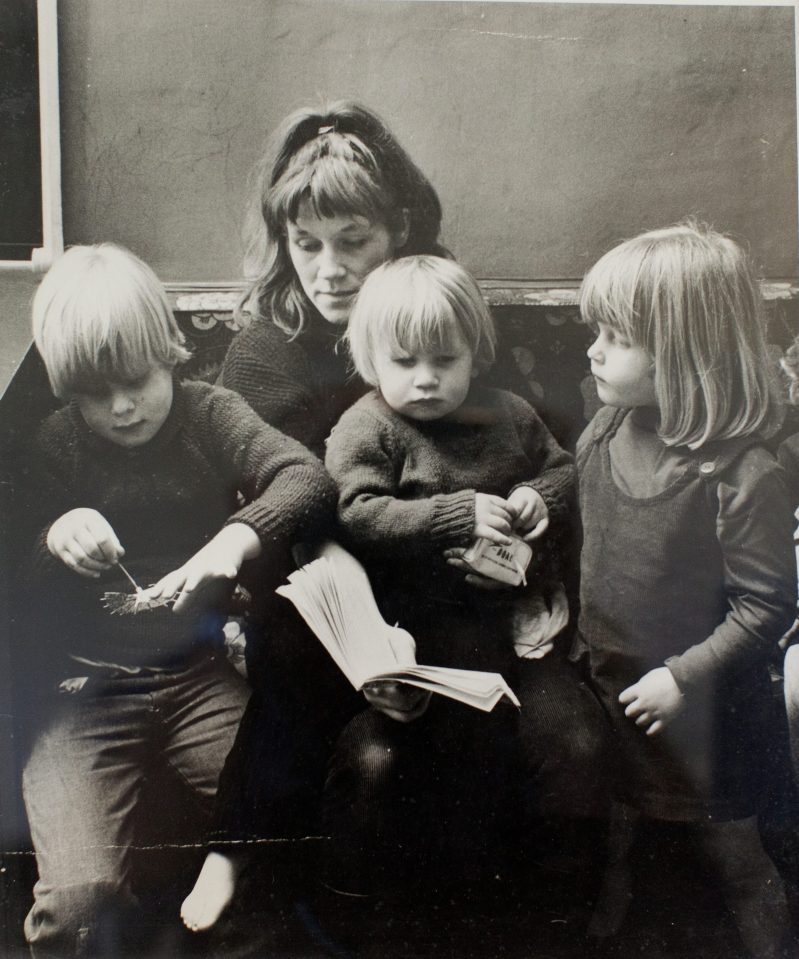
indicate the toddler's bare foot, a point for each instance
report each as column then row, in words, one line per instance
column 212, row 891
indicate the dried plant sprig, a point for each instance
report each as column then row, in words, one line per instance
column 127, row 604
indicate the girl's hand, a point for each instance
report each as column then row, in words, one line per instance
column 531, row 514
column 221, row 558
column 454, row 557
column 654, row 701
column 399, row 701
column 492, row 518
column 85, row 542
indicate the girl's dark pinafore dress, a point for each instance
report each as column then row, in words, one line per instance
column 652, row 585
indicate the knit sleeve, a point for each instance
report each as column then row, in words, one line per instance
column 365, row 458
column 273, row 377
column 553, row 468
column 755, row 531
column 287, row 493
column 47, row 492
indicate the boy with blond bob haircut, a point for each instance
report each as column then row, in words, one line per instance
column 141, row 466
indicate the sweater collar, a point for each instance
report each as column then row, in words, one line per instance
column 163, row 438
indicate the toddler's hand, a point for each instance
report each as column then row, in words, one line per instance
column 402, row 644
column 454, row 557
column 85, row 542
column 654, row 701
column 492, row 518
column 399, row 701
column 531, row 514
column 221, row 558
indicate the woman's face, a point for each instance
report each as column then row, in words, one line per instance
column 332, row 256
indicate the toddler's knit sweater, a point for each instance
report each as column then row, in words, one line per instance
column 407, row 487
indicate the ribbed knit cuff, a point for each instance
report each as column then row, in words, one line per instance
column 556, row 492
column 453, row 518
column 296, row 504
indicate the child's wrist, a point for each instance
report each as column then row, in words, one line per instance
column 241, row 540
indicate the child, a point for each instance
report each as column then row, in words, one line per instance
column 140, row 467
column 788, row 455
column 427, row 463
column 687, row 573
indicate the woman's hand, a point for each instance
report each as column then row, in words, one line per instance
column 493, row 518
column 85, row 542
column 220, row 558
column 530, row 512
column 654, row 701
column 400, row 701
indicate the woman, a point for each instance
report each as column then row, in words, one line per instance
column 334, row 198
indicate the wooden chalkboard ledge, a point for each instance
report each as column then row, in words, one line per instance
column 222, row 297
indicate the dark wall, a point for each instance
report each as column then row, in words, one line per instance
column 550, row 130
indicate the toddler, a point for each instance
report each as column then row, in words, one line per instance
column 427, row 463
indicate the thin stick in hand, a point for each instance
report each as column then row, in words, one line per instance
column 132, row 580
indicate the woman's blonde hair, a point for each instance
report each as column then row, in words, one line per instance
column 101, row 314
column 342, row 160
column 688, row 296
column 417, row 304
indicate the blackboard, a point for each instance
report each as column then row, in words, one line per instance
column 21, row 228
column 550, row 130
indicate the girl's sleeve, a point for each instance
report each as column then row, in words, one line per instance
column 755, row 531
column 287, row 493
column 788, row 456
column 553, row 467
column 364, row 459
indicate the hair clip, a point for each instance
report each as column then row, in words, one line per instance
column 328, row 129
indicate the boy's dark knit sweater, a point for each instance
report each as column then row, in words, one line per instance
column 165, row 500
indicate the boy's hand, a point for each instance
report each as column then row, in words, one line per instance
column 399, row 701
column 654, row 701
column 85, row 542
column 531, row 514
column 221, row 558
column 492, row 518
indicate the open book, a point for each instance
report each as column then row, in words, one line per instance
column 333, row 596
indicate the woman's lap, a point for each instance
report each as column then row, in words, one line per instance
column 481, row 778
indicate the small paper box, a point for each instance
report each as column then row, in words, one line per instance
column 507, row 564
